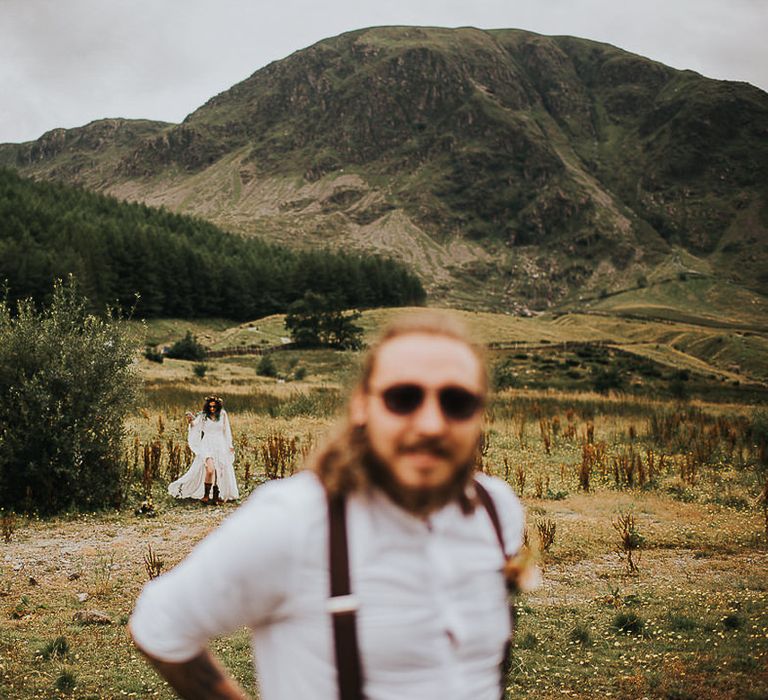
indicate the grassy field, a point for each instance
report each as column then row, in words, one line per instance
column 670, row 480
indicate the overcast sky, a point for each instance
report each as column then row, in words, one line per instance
column 64, row 63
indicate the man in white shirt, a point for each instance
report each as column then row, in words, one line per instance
column 428, row 575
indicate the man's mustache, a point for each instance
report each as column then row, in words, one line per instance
column 433, row 446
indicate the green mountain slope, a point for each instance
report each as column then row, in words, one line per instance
column 511, row 169
column 166, row 264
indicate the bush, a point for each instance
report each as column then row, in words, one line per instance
column 579, row 634
column 66, row 681
column 153, row 354
column 503, row 376
column 628, row 623
column 606, row 380
column 266, row 367
column 733, row 621
column 67, row 379
column 200, row 369
column 186, row 349
column 58, row 647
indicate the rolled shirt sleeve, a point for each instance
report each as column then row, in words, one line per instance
column 238, row 575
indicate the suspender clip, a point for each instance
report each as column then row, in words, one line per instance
column 342, row 604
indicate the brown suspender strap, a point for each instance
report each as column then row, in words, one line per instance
column 493, row 514
column 485, row 498
column 343, row 612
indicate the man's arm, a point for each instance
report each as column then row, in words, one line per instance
column 200, row 678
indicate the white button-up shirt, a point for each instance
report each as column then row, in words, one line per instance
column 432, row 617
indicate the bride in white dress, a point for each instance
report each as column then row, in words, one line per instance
column 211, row 476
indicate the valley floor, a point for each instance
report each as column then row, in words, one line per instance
column 691, row 623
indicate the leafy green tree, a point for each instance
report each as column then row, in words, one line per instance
column 304, row 319
column 315, row 320
column 68, row 380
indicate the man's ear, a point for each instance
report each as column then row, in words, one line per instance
column 358, row 409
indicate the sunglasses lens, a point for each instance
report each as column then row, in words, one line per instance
column 455, row 403
column 403, row 399
column 458, row 403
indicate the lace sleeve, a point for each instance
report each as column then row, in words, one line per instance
column 195, row 433
column 227, row 428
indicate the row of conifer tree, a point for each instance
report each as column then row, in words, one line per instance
column 179, row 266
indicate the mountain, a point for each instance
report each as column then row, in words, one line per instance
column 508, row 168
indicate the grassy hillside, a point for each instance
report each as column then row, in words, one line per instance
column 564, row 351
column 510, row 169
column 701, row 300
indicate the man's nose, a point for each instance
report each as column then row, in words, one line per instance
column 429, row 418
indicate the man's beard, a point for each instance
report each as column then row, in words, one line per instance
column 418, row 501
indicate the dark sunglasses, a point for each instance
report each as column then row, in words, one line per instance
column 455, row 402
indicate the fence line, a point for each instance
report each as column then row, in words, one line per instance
column 250, row 350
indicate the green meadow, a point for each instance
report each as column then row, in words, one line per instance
column 632, row 441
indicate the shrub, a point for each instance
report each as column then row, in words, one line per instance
column 628, row 623
column 186, row 349
column 503, row 376
column 546, row 529
column 55, row 648
column 200, row 369
column 579, row 634
column 630, row 541
column 7, row 524
column 733, row 621
column 68, row 380
column 153, row 354
column 607, row 379
column 266, row 367
column 153, row 565
column 321, row 402
column 66, row 681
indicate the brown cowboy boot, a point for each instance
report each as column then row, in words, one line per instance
column 205, row 500
column 216, row 500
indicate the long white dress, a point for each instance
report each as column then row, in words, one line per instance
column 208, row 438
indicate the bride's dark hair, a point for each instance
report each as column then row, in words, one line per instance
column 219, row 405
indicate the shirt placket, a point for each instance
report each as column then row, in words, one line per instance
column 445, row 613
